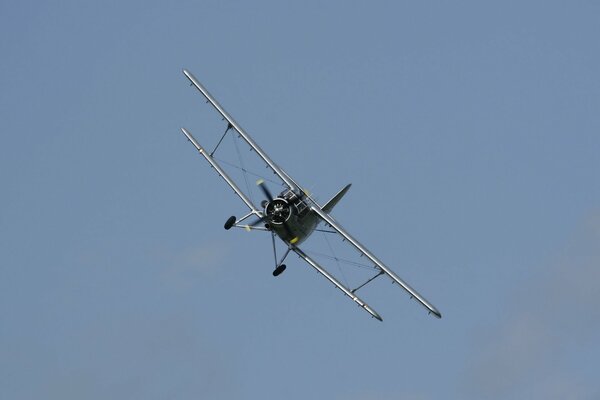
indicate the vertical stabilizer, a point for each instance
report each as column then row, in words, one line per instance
column 335, row 199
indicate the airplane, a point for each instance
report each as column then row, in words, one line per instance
column 293, row 215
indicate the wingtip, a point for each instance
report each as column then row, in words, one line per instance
column 373, row 313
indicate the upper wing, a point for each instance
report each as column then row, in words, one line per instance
column 270, row 163
column 338, row 228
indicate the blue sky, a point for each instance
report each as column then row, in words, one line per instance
column 470, row 132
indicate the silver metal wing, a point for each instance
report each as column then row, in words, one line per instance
column 233, row 124
column 335, row 282
column 253, row 209
column 386, row 270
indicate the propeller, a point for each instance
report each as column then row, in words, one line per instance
column 265, row 190
column 277, row 210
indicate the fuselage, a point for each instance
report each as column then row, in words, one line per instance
column 290, row 217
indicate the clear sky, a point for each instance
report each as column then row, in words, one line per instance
column 471, row 134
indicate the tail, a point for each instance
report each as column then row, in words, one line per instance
column 335, row 199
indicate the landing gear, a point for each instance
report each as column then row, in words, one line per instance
column 279, row 270
column 229, row 223
column 279, row 266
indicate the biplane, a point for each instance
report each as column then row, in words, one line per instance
column 293, row 215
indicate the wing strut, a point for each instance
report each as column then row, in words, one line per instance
column 368, row 281
column 343, row 288
column 220, row 140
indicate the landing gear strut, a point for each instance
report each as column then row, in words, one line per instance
column 279, row 267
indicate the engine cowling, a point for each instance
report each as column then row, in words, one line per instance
column 278, row 211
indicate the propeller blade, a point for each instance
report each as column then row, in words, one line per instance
column 269, row 196
column 265, row 190
column 258, row 221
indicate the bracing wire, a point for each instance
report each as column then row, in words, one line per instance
column 246, row 171
column 342, row 260
column 237, row 149
column 337, row 260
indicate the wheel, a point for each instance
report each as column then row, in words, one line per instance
column 279, row 270
column 229, row 223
